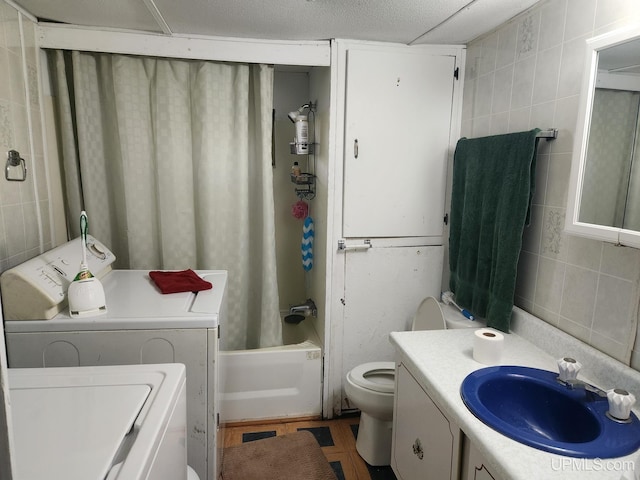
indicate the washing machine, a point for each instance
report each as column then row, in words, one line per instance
column 140, row 326
column 124, row 422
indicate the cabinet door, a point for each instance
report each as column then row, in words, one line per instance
column 425, row 444
column 473, row 463
column 397, row 126
column 383, row 288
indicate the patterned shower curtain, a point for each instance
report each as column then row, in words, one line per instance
column 171, row 159
column 612, row 141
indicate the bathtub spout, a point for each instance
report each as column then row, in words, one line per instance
column 307, row 308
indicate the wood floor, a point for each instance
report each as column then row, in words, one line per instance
column 336, row 437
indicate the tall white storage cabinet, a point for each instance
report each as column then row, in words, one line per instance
column 401, row 121
column 398, row 117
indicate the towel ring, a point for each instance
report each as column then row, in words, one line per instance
column 14, row 160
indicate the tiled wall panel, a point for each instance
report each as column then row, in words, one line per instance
column 22, row 204
column 526, row 74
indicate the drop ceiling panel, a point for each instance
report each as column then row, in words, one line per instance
column 474, row 20
column 401, row 21
column 624, row 57
column 383, row 20
column 126, row 14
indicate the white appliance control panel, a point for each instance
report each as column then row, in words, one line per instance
column 37, row 288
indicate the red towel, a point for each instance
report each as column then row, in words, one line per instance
column 181, row 281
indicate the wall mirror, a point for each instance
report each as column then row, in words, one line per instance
column 604, row 194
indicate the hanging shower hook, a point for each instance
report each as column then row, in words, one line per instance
column 14, row 160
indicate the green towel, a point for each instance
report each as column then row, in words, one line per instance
column 493, row 183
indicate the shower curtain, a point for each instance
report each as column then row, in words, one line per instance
column 171, row 159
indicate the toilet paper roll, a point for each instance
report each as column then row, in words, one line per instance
column 488, row 345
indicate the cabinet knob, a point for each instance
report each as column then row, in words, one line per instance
column 417, row 449
column 355, row 148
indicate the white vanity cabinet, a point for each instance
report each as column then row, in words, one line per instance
column 432, row 365
column 474, row 466
column 426, row 444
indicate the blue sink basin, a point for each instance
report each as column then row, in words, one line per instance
column 528, row 405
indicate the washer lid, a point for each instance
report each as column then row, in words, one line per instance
column 132, row 294
column 72, row 432
column 377, row 376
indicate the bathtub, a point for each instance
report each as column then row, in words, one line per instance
column 274, row 382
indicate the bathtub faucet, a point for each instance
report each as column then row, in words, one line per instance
column 307, row 308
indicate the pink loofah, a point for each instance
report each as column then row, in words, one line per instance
column 300, row 209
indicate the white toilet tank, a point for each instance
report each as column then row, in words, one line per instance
column 454, row 319
column 433, row 315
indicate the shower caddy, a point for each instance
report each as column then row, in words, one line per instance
column 306, row 181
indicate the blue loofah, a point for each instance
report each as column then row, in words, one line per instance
column 307, row 244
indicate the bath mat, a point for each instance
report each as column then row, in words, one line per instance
column 294, row 456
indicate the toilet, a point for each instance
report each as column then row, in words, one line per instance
column 370, row 388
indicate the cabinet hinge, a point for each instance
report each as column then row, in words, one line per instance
column 455, row 73
column 446, row 219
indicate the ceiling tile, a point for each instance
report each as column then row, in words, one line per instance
column 401, row 21
column 126, row 14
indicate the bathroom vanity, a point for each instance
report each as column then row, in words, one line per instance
column 430, row 368
column 422, row 433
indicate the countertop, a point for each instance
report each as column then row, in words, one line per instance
column 441, row 359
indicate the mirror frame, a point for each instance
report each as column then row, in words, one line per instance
column 572, row 225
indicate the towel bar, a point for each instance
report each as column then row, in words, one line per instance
column 549, row 133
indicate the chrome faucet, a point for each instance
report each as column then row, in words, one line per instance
column 575, row 384
column 569, row 368
column 307, row 308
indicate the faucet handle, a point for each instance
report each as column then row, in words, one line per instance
column 620, row 404
column 568, row 369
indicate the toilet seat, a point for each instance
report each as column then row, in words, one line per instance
column 429, row 316
column 376, row 376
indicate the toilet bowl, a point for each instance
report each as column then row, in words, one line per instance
column 370, row 388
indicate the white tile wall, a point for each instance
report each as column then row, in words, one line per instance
column 526, row 74
column 20, row 129
column 291, row 89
